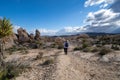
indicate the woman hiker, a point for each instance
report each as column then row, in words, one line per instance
column 66, row 45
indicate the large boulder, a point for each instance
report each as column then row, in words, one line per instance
column 23, row 36
column 31, row 37
column 10, row 41
column 37, row 35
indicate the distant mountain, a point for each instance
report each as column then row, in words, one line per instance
column 88, row 33
column 98, row 34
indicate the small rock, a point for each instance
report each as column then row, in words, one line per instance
column 104, row 59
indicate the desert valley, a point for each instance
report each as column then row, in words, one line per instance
column 35, row 57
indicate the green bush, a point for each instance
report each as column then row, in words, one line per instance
column 115, row 47
column 12, row 70
column 11, row 50
column 47, row 62
column 76, row 49
column 24, row 51
column 53, row 45
column 7, row 74
column 98, row 45
column 104, row 51
column 60, row 47
column 84, row 45
column 17, row 48
column 39, row 56
column 87, row 49
column 95, row 49
column 3, row 75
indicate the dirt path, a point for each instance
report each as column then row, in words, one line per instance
column 65, row 70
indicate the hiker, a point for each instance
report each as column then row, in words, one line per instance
column 66, row 45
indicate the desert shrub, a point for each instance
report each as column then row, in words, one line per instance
column 49, row 61
column 103, row 43
column 95, row 49
column 24, row 51
column 87, row 49
column 33, row 45
column 98, row 45
column 39, row 56
column 115, row 47
column 22, row 66
column 60, row 47
column 104, row 51
column 12, row 70
column 59, row 42
column 3, row 75
column 8, row 73
column 22, row 48
column 84, row 45
column 11, row 50
column 36, row 44
column 53, row 45
column 77, row 48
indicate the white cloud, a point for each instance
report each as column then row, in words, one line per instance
column 117, row 23
column 15, row 27
column 102, row 3
column 102, row 16
column 104, row 20
column 64, row 31
column 47, row 32
column 75, row 29
column 71, row 30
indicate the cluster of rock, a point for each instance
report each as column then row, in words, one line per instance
column 22, row 36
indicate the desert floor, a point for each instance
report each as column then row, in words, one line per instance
column 74, row 66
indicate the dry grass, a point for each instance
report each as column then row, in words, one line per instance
column 104, row 51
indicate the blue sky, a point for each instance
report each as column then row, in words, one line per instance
column 48, row 14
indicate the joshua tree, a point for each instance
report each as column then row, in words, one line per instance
column 5, row 31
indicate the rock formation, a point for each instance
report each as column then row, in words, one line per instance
column 23, row 36
column 31, row 37
column 10, row 41
column 37, row 35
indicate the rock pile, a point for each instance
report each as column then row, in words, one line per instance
column 22, row 37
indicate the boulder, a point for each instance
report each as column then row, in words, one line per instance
column 104, row 59
column 23, row 36
column 10, row 41
column 31, row 37
column 37, row 35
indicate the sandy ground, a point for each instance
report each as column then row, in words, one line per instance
column 74, row 66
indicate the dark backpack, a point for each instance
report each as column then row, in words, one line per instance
column 66, row 44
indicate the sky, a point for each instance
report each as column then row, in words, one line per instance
column 62, row 16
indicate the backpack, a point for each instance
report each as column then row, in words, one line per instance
column 66, row 44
